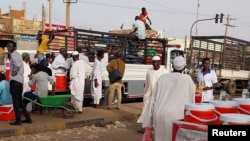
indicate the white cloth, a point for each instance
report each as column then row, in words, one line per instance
column 53, row 76
column 77, row 76
column 167, row 103
column 97, row 74
column 59, row 61
column 26, row 87
column 209, row 79
column 179, row 62
column 83, row 58
column 156, row 58
column 151, row 78
column 27, row 71
column 75, row 53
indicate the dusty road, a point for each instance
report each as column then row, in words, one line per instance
column 123, row 131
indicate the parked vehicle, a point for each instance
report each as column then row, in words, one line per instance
column 229, row 58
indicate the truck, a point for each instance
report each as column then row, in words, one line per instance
column 229, row 57
column 137, row 55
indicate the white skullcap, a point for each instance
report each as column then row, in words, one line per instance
column 75, row 53
column 179, row 63
column 156, row 58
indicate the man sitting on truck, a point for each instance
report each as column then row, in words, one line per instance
column 139, row 29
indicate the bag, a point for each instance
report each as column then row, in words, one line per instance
column 147, row 136
column 115, row 76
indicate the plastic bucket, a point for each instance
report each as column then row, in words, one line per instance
column 243, row 105
column 224, row 107
column 7, row 75
column 61, row 82
column 202, row 113
column 235, row 119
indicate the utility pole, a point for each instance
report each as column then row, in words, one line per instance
column 43, row 17
column 68, row 13
column 197, row 16
column 50, row 13
column 225, row 40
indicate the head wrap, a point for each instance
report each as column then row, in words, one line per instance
column 75, row 53
column 156, row 58
column 179, row 63
column 24, row 54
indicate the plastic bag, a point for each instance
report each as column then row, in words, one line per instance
column 147, row 136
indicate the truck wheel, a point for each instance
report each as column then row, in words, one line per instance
column 231, row 87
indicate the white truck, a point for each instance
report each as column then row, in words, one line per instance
column 230, row 58
column 136, row 54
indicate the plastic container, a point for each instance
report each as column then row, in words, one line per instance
column 235, row 119
column 61, row 82
column 243, row 105
column 7, row 113
column 224, row 107
column 202, row 113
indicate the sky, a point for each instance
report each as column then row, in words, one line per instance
column 175, row 17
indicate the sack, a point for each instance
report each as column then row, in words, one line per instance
column 115, row 76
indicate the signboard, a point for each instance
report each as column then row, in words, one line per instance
column 26, row 27
column 59, row 41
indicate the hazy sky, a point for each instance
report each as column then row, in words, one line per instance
column 174, row 16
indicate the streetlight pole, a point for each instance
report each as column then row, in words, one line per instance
column 190, row 36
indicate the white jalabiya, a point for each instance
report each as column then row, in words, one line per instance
column 97, row 74
column 167, row 103
column 59, row 61
column 77, row 76
column 26, row 87
column 27, row 71
column 151, row 78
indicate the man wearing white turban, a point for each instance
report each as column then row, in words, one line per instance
column 78, row 73
column 171, row 92
column 151, row 77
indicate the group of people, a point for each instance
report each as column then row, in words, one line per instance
column 24, row 75
column 166, row 93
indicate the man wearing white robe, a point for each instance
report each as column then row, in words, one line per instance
column 96, row 81
column 59, row 64
column 78, row 73
column 26, row 73
column 151, row 77
column 172, row 91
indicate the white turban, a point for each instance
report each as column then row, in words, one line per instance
column 156, row 58
column 75, row 53
column 179, row 63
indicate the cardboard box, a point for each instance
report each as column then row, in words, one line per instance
column 7, row 113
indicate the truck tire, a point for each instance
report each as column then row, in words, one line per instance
column 231, row 87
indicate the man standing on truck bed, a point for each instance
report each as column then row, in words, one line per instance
column 207, row 76
column 144, row 17
column 44, row 41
